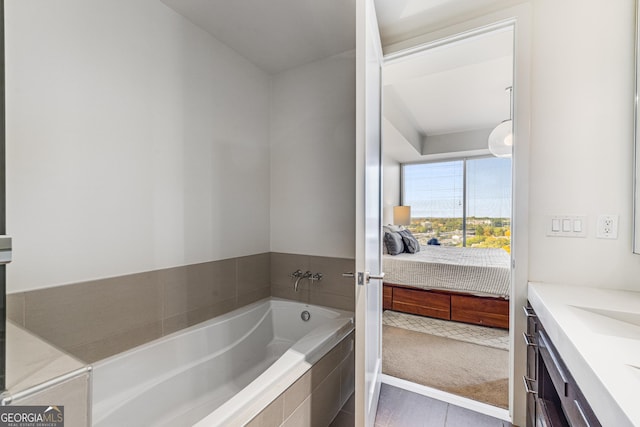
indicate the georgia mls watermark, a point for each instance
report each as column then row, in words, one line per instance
column 31, row 416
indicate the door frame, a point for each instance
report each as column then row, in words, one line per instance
column 368, row 293
column 519, row 17
column 3, row 216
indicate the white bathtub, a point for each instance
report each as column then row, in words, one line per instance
column 220, row 372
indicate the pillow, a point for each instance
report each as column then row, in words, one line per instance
column 411, row 244
column 393, row 242
column 392, row 228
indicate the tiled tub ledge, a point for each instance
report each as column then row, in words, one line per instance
column 40, row 374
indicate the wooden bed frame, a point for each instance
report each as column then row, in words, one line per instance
column 478, row 310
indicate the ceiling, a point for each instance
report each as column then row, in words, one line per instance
column 456, row 87
column 454, row 90
column 449, row 89
column 276, row 35
column 401, row 20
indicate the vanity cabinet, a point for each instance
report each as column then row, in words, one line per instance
column 553, row 397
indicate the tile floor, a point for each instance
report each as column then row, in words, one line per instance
column 402, row 408
column 490, row 337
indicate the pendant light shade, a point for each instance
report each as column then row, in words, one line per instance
column 501, row 139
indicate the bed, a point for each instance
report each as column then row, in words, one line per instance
column 470, row 285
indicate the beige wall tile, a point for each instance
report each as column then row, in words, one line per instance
column 297, row 393
column 325, row 400
column 73, row 394
column 324, row 366
column 15, row 308
column 333, row 300
column 282, row 265
column 187, row 288
column 332, row 291
column 253, row 273
column 350, row 406
column 343, row 419
column 271, row 416
column 301, row 416
column 89, row 318
column 184, row 320
column 253, row 296
column 224, row 279
column 128, row 339
column 288, row 292
column 72, row 315
column 196, row 286
column 347, row 378
column 223, row 306
column 332, row 280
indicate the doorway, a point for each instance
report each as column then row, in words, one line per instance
column 447, row 308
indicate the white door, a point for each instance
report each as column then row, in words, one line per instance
column 368, row 214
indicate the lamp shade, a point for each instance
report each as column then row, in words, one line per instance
column 501, row 139
column 402, row 215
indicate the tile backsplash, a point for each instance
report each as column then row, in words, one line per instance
column 96, row 319
column 332, row 291
column 99, row 318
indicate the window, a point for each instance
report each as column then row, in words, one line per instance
column 461, row 203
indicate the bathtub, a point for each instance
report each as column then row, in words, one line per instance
column 220, row 372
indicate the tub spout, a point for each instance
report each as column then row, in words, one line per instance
column 305, row 275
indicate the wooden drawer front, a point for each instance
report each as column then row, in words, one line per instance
column 387, row 297
column 481, row 311
column 424, row 303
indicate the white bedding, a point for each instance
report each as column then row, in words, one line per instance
column 478, row 271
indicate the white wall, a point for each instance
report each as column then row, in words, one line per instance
column 135, row 141
column 390, row 187
column 582, row 139
column 313, row 158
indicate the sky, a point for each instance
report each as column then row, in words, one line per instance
column 436, row 189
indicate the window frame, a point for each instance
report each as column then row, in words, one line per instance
column 464, row 160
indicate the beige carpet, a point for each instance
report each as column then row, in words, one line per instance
column 470, row 370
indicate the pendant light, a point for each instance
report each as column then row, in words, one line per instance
column 501, row 137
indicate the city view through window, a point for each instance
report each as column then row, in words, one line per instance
column 472, row 212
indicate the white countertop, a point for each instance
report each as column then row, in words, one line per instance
column 597, row 333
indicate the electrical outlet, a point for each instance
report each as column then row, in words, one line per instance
column 607, row 227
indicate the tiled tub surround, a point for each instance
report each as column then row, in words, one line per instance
column 40, row 374
column 315, row 398
column 100, row 318
column 225, row 370
column 97, row 319
column 332, row 291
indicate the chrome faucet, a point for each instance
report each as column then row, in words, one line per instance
column 316, row 276
column 305, row 275
column 299, row 275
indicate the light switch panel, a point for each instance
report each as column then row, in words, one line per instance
column 566, row 226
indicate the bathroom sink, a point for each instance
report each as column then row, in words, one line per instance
column 621, row 316
column 610, row 322
column 635, row 371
